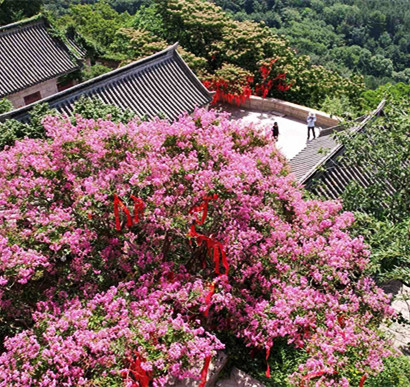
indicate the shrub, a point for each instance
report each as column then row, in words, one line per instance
column 219, row 241
column 5, row 105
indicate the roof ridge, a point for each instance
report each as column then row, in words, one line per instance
column 31, row 20
column 123, row 69
column 104, row 76
column 112, row 78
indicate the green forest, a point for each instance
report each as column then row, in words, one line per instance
column 370, row 37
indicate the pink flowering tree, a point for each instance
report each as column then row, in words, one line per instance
column 129, row 251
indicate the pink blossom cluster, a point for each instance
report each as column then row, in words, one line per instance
column 80, row 341
column 94, row 296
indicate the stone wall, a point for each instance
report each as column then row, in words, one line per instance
column 289, row 109
column 46, row 89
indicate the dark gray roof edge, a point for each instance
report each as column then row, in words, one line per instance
column 122, row 72
column 338, row 147
column 339, row 127
column 193, row 77
column 36, row 19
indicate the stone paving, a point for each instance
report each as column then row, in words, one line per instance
column 292, row 132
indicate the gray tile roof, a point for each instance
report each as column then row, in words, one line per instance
column 160, row 84
column 320, row 166
column 29, row 54
column 311, row 156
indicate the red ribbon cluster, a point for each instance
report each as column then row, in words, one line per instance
column 138, row 210
column 140, row 376
column 228, row 92
column 266, row 85
column 215, row 248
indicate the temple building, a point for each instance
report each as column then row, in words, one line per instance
column 34, row 62
column 159, row 85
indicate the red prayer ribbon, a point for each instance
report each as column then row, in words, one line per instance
column 119, row 204
column 208, row 298
column 362, row 380
column 138, row 209
column 204, row 371
column 267, row 364
column 202, row 207
column 215, row 248
column 141, row 376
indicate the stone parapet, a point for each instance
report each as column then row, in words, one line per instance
column 290, row 109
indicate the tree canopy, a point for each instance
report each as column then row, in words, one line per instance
column 123, row 264
column 359, row 36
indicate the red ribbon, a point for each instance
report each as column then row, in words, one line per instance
column 267, row 364
column 208, row 298
column 204, row 371
column 362, row 380
column 215, row 248
column 140, row 375
column 202, row 207
column 118, row 203
column 138, row 209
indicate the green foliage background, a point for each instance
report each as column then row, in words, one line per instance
column 350, row 36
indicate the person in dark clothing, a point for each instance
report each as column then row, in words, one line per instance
column 275, row 131
column 311, row 119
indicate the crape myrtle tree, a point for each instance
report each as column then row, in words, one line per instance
column 132, row 253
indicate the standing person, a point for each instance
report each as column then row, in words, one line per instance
column 275, row 131
column 311, row 119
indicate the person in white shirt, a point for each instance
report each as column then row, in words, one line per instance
column 311, row 119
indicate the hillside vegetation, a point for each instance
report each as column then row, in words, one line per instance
column 371, row 37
